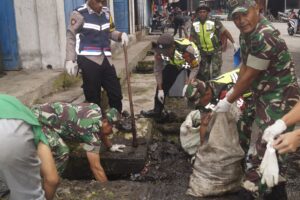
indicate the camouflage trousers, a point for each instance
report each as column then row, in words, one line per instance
column 244, row 125
column 59, row 149
column 251, row 141
column 210, row 66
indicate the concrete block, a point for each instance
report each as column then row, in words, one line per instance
column 145, row 66
column 131, row 161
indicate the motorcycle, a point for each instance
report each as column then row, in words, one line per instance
column 158, row 24
column 294, row 25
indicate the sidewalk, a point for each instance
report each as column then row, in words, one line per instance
column 31, row 85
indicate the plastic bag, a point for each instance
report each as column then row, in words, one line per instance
column 189, row 132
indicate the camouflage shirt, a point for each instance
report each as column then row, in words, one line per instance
column 276, row 90
column 80, row 123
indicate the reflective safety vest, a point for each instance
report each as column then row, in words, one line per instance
column 208, row 38
column 94, row 36
column 230, row 78
column 180, row 48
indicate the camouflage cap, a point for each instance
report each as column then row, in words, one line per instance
column 195, row 91
column 112, row 115
column 239, row 5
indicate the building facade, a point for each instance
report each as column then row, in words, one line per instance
column 33, row 32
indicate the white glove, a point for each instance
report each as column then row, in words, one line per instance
column 229, row 92
column 235, row 47
column 222, row 106
column 275, row 129
column 71, row 67
column 184, row 89
column 124, row 39
column 161, row 96
column 269, row 167
column 117, row 148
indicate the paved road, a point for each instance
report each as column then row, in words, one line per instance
column 292, row 43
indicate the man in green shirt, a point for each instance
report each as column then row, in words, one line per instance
column 24, row 152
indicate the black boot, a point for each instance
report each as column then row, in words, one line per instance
column 278, row 192
column 244, row 194
column 151, row 113
column 125, row 123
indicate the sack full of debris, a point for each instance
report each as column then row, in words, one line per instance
column 189, row 132
column 217, row 168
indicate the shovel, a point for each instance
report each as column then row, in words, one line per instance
column 134, row 139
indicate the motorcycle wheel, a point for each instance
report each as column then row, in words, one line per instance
column 290, row 31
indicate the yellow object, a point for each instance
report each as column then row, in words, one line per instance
column 230, row 77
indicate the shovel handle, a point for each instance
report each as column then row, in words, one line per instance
column 134, row 139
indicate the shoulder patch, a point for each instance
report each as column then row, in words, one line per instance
column 73, row 21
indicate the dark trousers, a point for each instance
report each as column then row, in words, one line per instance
column 178, row 27
column 95, row 76
column 169, row 76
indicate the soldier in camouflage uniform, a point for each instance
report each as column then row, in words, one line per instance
column 82, row 123
column 267, row 68
column 200, row 95
column 206, row 34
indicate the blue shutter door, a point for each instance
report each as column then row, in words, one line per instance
column 121, row 15
column 8, row 36
column 70, row 5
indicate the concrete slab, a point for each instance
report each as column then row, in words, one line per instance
column 131, row 161
column 28, row 86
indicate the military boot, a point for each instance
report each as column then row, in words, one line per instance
column 278, row 192
column 151, row 113
column 125, row 123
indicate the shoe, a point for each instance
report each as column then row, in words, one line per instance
column 151, row 113
column 4, row 193
column 125, row 122
column 163, row 117
column 278, row 192
column 125, row 113
column 244, row 194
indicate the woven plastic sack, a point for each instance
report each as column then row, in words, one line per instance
column 189, row 132
column 217, row 168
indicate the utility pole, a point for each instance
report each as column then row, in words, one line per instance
column 284, row 6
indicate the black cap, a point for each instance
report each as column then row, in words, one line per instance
column 164, row 42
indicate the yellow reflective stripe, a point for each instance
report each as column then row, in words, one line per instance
column 229, row 77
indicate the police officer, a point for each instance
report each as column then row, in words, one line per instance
column 172, row 57
column 82, row 123
column 268, row 69
column 206, row 34
column 88, row 36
